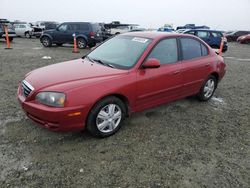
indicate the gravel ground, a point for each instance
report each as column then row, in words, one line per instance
column 183, row 144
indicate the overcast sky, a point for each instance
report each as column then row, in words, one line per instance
column 218, row 14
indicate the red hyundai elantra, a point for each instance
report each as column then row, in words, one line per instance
column 128, row 73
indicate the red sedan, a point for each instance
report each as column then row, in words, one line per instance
column 128, row 73
column 245, row 39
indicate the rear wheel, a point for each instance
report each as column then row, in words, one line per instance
column 81, row 43
column 208, row 88
column 46, row 41
column 106, row 117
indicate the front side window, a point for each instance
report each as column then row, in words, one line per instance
column 202, row 34
column 191, row 48
column 63, row 27
column 165, row 51
column 122, row 51
column 217, row 34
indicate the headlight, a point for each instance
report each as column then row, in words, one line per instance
column 51, row 98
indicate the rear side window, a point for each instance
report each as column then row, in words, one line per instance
column 84, row 27
column 165, row 51
column 191, row 48
column 204, row 50
column 202, row 34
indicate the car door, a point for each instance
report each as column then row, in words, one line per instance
column 196, row 64
column 163, row 84
column 18, row 30
column 63, row 34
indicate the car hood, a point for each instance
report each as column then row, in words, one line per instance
column 71, row 74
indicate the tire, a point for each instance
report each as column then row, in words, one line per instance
column 59, row 44
column 208, row 88
column 27, row 35
column 81, row 43
column 106, row 117
column 46, row 41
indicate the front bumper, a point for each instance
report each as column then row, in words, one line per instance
column 55, row 119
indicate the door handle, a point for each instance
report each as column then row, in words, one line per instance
column 207, row 65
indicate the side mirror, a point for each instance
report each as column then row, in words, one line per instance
column 151, row 63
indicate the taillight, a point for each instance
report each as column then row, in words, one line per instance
column 92, row 35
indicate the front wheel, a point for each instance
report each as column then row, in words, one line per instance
column 27, row 35
column 208, row 88
column 46, row 41
column 106, row 117
column 81, row 43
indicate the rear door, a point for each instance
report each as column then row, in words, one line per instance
column 196, row 64
column 163, row 84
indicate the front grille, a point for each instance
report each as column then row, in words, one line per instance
column 26, row 88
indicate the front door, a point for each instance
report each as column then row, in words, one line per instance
column 163, row 84
column 63, row 34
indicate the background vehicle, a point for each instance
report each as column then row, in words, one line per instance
column 128, row 73
column 166, row 28
column 11, row 32
column 245, row 39
column 192, row 26
column 211, row 37
column 233, row 36
column 87, row 34
column 123, row 29
column 25, row 29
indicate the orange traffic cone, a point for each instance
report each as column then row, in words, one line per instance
column 221, row 46
column 7, row 38
column 75, row 46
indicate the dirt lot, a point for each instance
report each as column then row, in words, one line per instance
column 182, row 144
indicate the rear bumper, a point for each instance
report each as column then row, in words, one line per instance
column 10, row 35
column 55, row 119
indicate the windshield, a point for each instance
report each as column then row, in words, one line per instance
column 121, row 52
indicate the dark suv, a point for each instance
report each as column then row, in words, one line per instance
column 211, row 37
column 11, row 31
column 87, row 34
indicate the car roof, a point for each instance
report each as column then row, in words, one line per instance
column 79, row 23
column 154, row 35
column 202, row 30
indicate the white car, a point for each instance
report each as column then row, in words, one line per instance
column 27, row 30
column 123, row 29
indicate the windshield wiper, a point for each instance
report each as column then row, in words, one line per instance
column 90, row 59
column 101, row 62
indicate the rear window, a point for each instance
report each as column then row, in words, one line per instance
column 96, row 27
